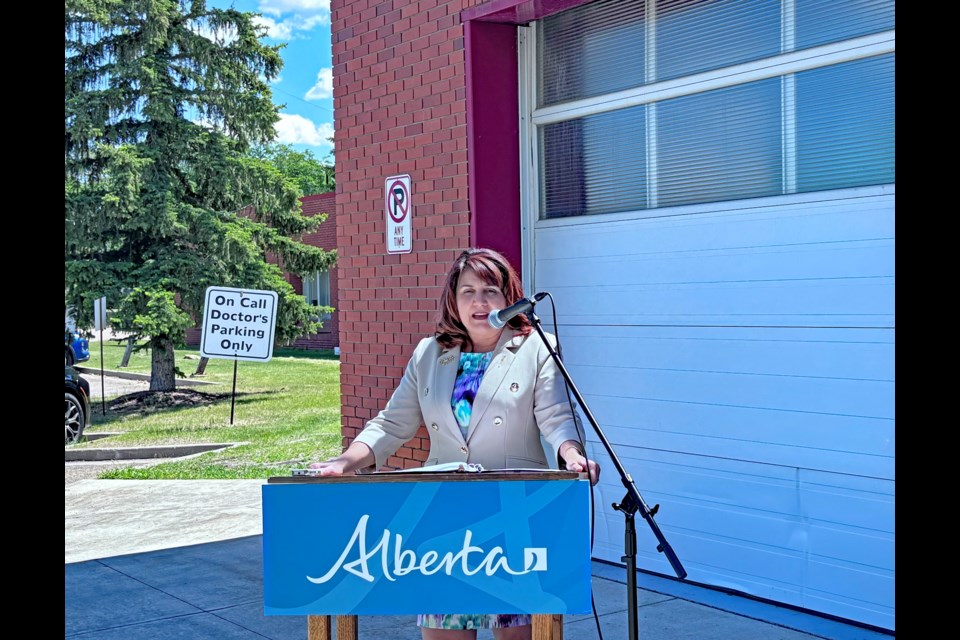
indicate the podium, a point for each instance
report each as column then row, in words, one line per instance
column 401, row 543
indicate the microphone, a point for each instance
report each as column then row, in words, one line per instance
column 498, row 318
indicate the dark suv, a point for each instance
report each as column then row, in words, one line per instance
column 76, row 405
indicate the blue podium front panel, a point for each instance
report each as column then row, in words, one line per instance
column 396, row 548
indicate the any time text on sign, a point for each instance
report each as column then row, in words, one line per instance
column 238, row 324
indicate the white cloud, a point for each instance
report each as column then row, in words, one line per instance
column 276, row 7
column 324, row 86
column 312, row 21
column 279, row 31
column 294, row 129
column 292, row 16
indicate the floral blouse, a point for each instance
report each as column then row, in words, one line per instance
column 469, row 374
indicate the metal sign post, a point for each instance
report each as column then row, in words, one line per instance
column 238, row 324
column 99, row 322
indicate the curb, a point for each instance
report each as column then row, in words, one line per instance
column 141, row 453
column 129, row 375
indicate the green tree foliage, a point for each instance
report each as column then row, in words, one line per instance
column 311, row 175
column 164, row 100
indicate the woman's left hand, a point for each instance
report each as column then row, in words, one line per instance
column 577, row 462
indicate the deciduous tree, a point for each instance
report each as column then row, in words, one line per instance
column 311, row 174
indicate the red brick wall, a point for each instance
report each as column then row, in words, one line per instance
column 400, row 108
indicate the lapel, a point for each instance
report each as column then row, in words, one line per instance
column 446, row 376
column 503, row 357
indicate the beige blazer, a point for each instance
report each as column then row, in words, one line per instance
column 521, row 397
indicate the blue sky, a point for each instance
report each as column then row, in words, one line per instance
column 305, row 85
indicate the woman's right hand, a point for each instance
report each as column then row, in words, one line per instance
column 333, row 467
column 356, row 456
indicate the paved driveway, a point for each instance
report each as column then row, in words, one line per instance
column 111, row 386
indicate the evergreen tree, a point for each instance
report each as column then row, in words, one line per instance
column 163, row 101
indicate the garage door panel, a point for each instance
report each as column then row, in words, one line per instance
column 851, row 354
column 747, row 487
column 866, row 302
column 833, row 261
column 757, row 528
column 841, row 444
column 838, row 396
column 761, row 225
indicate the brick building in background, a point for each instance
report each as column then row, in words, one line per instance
column 319, row 288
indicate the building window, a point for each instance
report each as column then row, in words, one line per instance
column 316, row 290
column 641, row 105
column 845, row 125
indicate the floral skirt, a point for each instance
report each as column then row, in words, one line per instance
column 472, row 621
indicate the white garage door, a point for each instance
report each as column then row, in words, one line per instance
column 720, row 245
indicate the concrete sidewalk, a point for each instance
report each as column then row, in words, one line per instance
column 183, row 559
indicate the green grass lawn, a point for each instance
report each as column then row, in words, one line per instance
column 286, row 411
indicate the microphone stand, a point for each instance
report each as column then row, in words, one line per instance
column 631, row 503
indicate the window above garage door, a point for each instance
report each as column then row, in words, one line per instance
column 642, row 105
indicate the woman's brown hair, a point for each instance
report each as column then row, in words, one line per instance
column 492, row 268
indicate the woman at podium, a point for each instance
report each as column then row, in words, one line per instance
column 487, row 390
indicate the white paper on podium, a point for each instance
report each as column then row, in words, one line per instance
column 466, row 467
column 446, row 467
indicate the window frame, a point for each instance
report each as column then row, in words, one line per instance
column 783, row 66
column 312, row 282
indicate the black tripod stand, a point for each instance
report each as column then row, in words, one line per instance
column 629, row 506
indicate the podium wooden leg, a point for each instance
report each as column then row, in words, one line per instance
column 547, row 627
column 346, row 627
column 318, row 628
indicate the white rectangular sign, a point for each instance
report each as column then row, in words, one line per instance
column 398, row 209
column 100, row 313
column 238, row 324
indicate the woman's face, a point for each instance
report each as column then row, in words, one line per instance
column 475, row 300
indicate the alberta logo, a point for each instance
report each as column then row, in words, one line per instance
column 395, row 561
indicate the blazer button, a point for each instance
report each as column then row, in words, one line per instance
column 463, row 449
column 434, row 426
column 498, row 421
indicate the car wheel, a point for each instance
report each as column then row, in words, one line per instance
column 68, row 357
column 73, row 418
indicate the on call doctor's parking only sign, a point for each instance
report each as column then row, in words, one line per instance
column 238, row 324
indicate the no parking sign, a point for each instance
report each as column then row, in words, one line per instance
column 398, row 208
